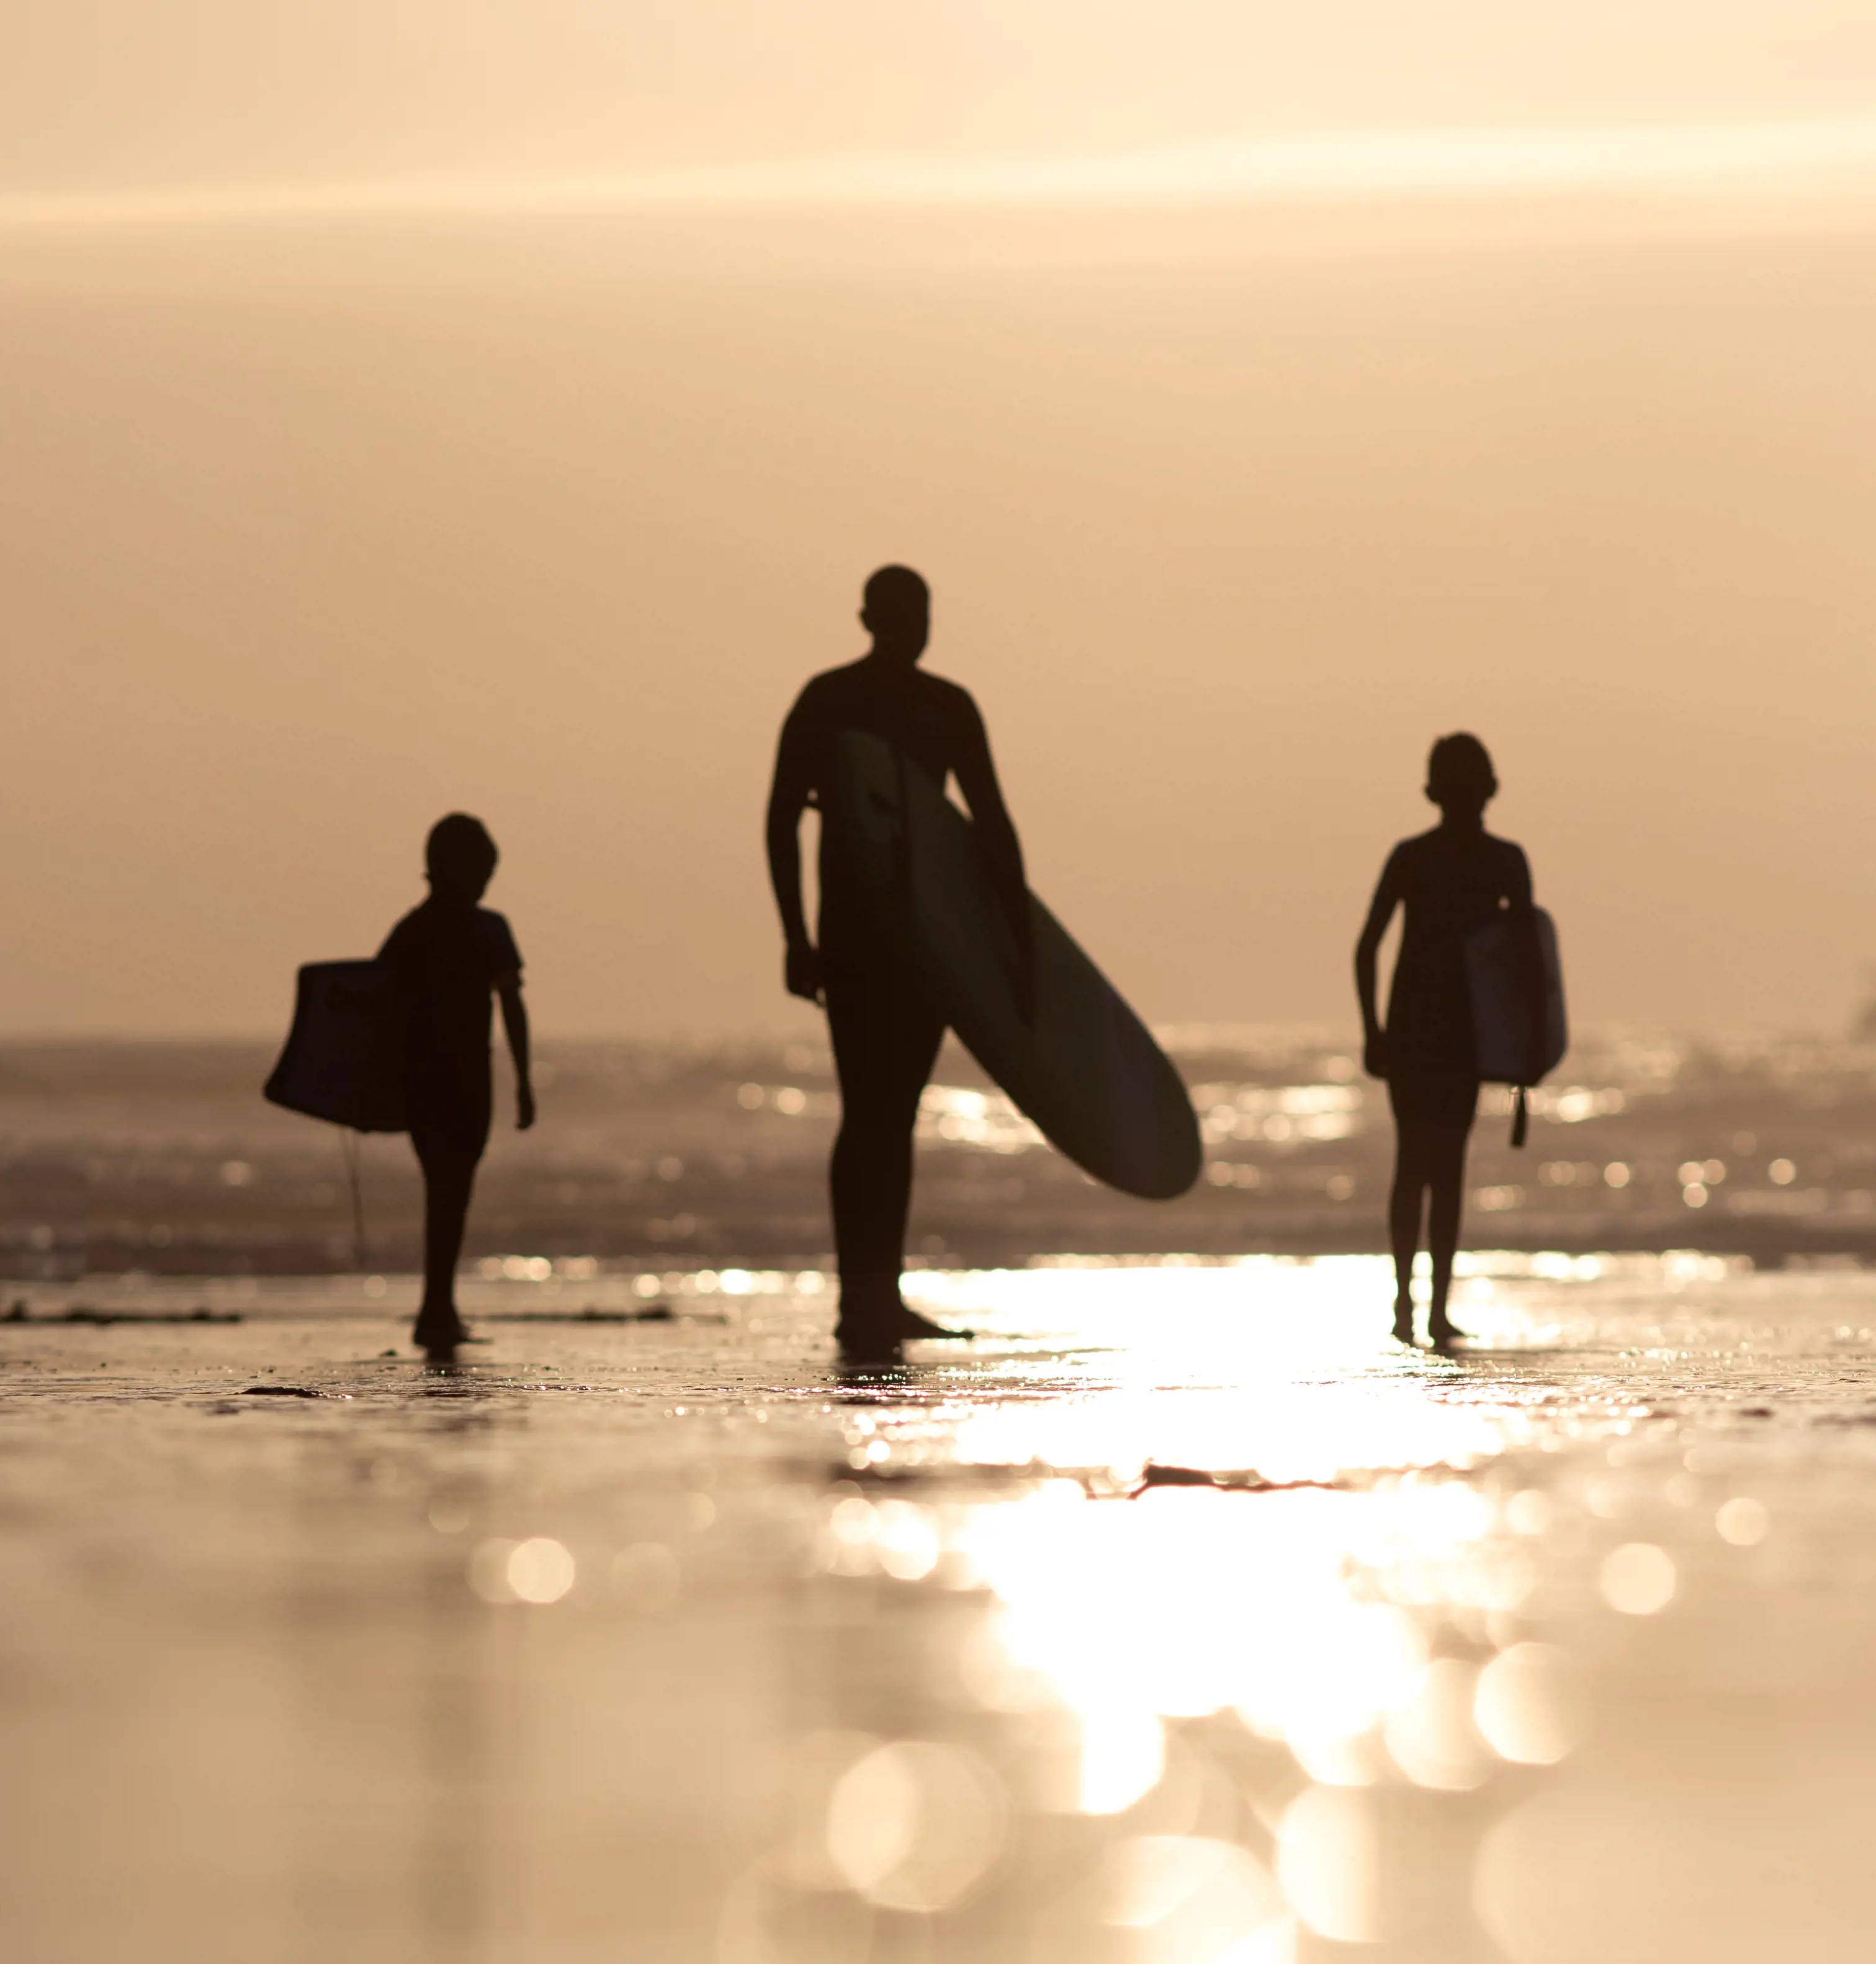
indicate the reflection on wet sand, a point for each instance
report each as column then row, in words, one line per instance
column 1178, row 1619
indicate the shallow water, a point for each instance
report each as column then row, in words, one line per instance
column 164, row 1159
column 660, row 1639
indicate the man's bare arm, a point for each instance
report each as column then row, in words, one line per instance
column 1002, row 851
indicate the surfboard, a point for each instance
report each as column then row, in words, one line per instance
column 1501, row 1017
column 1088, row 1074
column 341, row 1061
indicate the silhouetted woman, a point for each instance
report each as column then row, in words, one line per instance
column 1450, row 882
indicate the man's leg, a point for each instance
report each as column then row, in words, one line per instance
column 886, row 1037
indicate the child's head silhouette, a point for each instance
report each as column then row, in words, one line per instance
column 459, row 857
column 1460, row 779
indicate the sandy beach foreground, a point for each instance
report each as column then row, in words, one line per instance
column 655, row 1639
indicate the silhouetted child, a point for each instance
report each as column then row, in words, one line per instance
column 450, row 955
column 1452, row 881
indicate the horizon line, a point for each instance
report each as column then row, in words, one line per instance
column 1780, row 160
column 1178, row 1033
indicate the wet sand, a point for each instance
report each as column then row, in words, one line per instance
column 1176, row 1618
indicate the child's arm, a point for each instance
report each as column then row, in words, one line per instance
column 1367, row 962
column 1530, row 962
column 514, row 1022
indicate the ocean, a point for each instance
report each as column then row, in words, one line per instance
column 1176, row 1617
column 146, row 1159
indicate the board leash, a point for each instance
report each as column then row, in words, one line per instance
column 350, row 1142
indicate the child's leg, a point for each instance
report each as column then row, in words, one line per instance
column 447, row 1185
column 1448, row 1172
column 1411, row 1172
column 449, row 1159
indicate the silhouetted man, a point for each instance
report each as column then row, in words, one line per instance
column 885, row 1027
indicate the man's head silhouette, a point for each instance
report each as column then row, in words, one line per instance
column 1459, row 778
column 459, row 857
column 897, row 612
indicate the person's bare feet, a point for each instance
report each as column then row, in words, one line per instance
column 868, row 1349
column 877, row 1337
column 439, row 1334
column 1404, row 1322
column 914, row 1328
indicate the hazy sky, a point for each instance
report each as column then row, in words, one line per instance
column 1265, row 390
column 107, row 93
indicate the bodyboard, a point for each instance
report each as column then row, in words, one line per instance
column 342, row 1061
column 1501, row 1018
column 1088, row 1074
